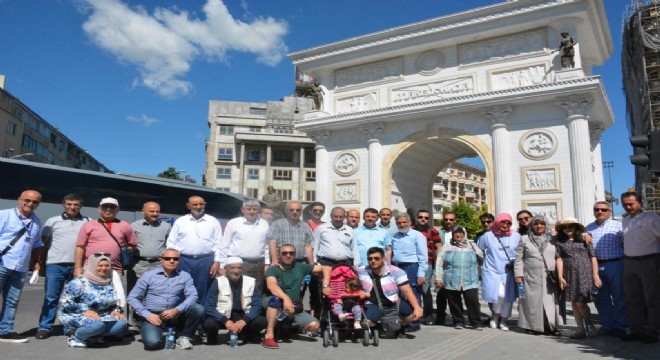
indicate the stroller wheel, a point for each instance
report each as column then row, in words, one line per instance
column 326, row 337
column 335, row 339
column 365, row 337
column 376, row 336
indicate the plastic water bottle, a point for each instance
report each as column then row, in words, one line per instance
column 233, row 340
column 282, row 315
column 521, row 291
column 169, row 340
column 308, row 278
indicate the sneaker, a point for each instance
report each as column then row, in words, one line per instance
column 42, row 335
column 493, row 323
column 478, row 328
column 459, row 326
column 342, row 316
column 13, row 338
column 270, row 343
column 503, row 326
column 76, row 344
column 357, row 325
column 183, row 343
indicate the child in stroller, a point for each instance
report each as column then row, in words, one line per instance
column 350, row 302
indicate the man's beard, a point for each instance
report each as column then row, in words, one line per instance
column 196, row 213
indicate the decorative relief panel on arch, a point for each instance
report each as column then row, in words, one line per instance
column 347, row 163
column 430, row 62
column 357, row 103
column 432, row 91
column 550, row 208
column 518, row 77
column 538, row 144
column 347, row 191
column 502, row 47
column 381, row 70
column 540, row 179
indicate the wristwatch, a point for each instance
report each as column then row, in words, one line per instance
column 119, row 310
column 325, row 286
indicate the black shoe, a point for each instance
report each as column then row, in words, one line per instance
column 212, row 339
column 619, row 333
column 649, row 339
column 632, row 337
column 42, row 335
column 13, row 338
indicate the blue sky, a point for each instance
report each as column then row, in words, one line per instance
column 136, row 97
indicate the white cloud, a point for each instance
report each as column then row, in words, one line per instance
column 142, row 119
column 163, row 45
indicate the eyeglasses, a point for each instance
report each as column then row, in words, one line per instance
column 294, row 210
column 170, row 258
column 320, row 211
column 102, row 254
column 486, row 221
column 374, row 258
column 423, row 217
column 601, row 210
column 288, row 253
column 447, row 219
column 526, row 218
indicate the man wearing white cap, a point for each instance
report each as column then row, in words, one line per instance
column 106, row 235
column 234, row 303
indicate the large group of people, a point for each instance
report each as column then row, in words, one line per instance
column 249, row 278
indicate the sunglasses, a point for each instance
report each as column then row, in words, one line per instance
column 102, row 254
column 288, row 253
column 318, row 211
column 486, row 221
column 423, row 217
column 294, row 210
column 601, row 210
column 374, row 258
column 448, row 219
column 108, row 207
column 170, row 258
column 524, row 218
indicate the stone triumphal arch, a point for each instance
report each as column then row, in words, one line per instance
column 395, row 106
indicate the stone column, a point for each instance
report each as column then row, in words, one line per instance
column 577, row 107
column 497, row 116
column 241, row 168
column 269, row 158
column 301, row 174
column 597, row 164
column 372, row 132
column 323, row 191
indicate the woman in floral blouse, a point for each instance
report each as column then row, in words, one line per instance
column 89, row 304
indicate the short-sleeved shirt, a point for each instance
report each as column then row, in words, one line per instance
column 390, row 279
column 11, row 223
column 607, row 239
column 290, row 280
column 63, row 232
column 284, row 232
column 151, row 237
column 641, row 234
column 432, row 239
column 367, row 238
column 95, row 239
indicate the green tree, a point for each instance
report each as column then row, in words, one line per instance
column 170, row 173
column 467, row 217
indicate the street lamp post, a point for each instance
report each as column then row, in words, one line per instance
column 609, row 165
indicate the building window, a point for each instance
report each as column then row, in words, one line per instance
column 224, row 172
column 253, row 174
column 11, row 128
column 253, row 155
column 253, row 193
column 225, row 189
column 255, row 128
column 310, row 195
column 226, row 130
column 225, row 152
column 283, row 131
column 283, row 155
column 61, row 145
column 310, row 175
column 285, row 194
column 257, row 111
column 35, row 146
column 282, row 175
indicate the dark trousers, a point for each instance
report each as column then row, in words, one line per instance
column 251, row 331
column 441, row 306
column 471, row 297
column 184, row 324
column 641, row 282
column 198, row 268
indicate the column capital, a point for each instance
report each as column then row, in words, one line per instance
column 372, row 130
column 576, row 105
column 320, row 137
column 497, row 114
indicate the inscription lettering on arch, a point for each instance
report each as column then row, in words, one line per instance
column 502, row 47
column 432, row 91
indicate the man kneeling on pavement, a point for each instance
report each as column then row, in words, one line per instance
column 283, row 283
column 388, row 281
column 166, row 297
column 233, row 302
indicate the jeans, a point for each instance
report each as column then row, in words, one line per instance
column 100, row 328
column 411, row 272
column 187, row 320
column 427, row 295
column 199, row 271
column 11, row 283
column 610, row 301
column 56, row 276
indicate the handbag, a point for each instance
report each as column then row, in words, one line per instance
column 390, row 321
column 126, row 255
column 550, row 276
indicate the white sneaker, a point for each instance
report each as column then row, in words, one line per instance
column 76, row 344
column 183, row 343
column 357, row 325
column 493, row 323
column 503, row 326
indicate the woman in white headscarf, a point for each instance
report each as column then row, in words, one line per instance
column 89, row 303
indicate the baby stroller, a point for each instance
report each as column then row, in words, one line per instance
column 331, row 326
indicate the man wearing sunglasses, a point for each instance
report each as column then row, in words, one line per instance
column 105, row 235
column 607, row 240
column 316, row 211
column 19, row 240
column 433, row 245
column 166, row 297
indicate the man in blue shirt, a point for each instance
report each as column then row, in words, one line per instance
column 409, row 253
column 165, row 298
column 19, row 239
column 369, row 234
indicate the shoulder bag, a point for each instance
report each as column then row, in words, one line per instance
column 126, row 255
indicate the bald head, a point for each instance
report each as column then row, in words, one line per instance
column 28, row 202
column 151, row 212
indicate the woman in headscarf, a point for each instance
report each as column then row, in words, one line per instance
column 535, row 259
column 89, row 304
column 457, row 271
column 500, row 246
